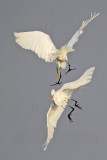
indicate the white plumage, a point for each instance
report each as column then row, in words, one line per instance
column 60, row 99
column 42, row 45
column 38, row 42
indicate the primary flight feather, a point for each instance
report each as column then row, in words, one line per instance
column 42, row 45
column 60, row 99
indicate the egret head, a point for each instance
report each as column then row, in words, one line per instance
column 52, row 93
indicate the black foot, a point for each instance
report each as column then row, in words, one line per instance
column 70, row 70
column 69, row 115
column 76, row 104
column 56, row 83
column 70, row 119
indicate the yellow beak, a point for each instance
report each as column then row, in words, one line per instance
column 52, row 98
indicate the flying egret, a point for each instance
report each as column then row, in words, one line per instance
column 60, row 99
column 43, row 46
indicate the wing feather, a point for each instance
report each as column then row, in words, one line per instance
column 75, row 37
column 83, row 80
column 38, row 42
column 53, row 116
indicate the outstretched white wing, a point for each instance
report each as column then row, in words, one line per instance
column 74, row 39
column 83, row 80
column 38, row 42
column 53, row 115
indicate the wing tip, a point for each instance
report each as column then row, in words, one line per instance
column 90, row 73
column 45, row 146
column 15, row 34
column 92, row 69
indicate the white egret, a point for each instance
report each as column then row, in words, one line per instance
column 60, row 99
column 43, row 46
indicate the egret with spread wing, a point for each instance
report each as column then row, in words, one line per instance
column 60, row 99
column 43, row 46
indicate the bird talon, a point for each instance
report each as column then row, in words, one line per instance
column 59, row 83
column 80, row 107
column 76, row 104
column 69, row 115
column 67, row 71
column 70, row 70
column 70, row 120
column 56, row 83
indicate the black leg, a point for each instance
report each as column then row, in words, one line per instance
column 58, row 81
column 76, row 104
column 69, row 115
column 69, row 68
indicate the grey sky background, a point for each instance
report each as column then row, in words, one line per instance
column 24, row 81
